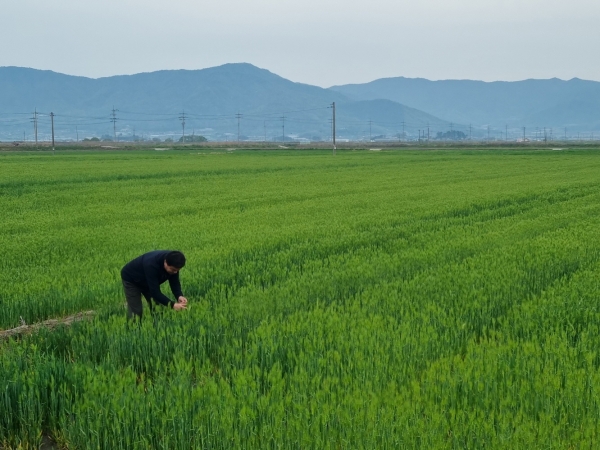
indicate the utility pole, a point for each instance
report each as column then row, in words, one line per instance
column 333, row 127
column 238, row 116
column 52, row 120
column 427, row 131
column 113, row 119
column 283, row 128
column 182, row 118
column 265, row 125
column 34, row 119
column 506, row 133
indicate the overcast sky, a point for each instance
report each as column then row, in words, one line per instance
column 321, row 42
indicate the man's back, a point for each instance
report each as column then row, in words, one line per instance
column 137, row 270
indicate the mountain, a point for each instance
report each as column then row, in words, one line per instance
column 152, row 104
column 574, row 104
column 374, row 118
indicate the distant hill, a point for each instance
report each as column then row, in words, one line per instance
column 532, row 103
column 372, row 118
column 152, row 103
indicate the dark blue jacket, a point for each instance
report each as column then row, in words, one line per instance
column 148, row 272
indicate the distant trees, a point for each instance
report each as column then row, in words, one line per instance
column 193, row 138
column 453, row 135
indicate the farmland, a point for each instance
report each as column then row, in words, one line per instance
column 394, row 299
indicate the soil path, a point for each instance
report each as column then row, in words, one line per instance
column 49, row 324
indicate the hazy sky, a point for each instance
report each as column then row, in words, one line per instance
column 322, row 42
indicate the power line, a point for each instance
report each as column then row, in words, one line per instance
column 305, row 120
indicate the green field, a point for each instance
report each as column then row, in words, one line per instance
column 395, row 299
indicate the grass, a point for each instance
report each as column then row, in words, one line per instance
column 401, row 298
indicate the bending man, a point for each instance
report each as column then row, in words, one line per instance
column 145, row 274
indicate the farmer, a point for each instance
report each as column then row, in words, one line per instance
column 145, row 274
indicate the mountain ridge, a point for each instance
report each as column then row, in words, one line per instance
column 270, row 106
column 497, row 103
column 153, row 102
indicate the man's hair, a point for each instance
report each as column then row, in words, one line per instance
column 175, row 259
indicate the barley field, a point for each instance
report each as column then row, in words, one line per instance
column 433, row 299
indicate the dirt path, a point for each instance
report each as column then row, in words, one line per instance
column 49, row 324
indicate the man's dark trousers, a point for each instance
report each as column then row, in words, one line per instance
column 133, row 295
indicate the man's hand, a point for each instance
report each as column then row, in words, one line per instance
column 179, row 306
column 182, row 299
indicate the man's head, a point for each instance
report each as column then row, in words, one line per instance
column 174, row 261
